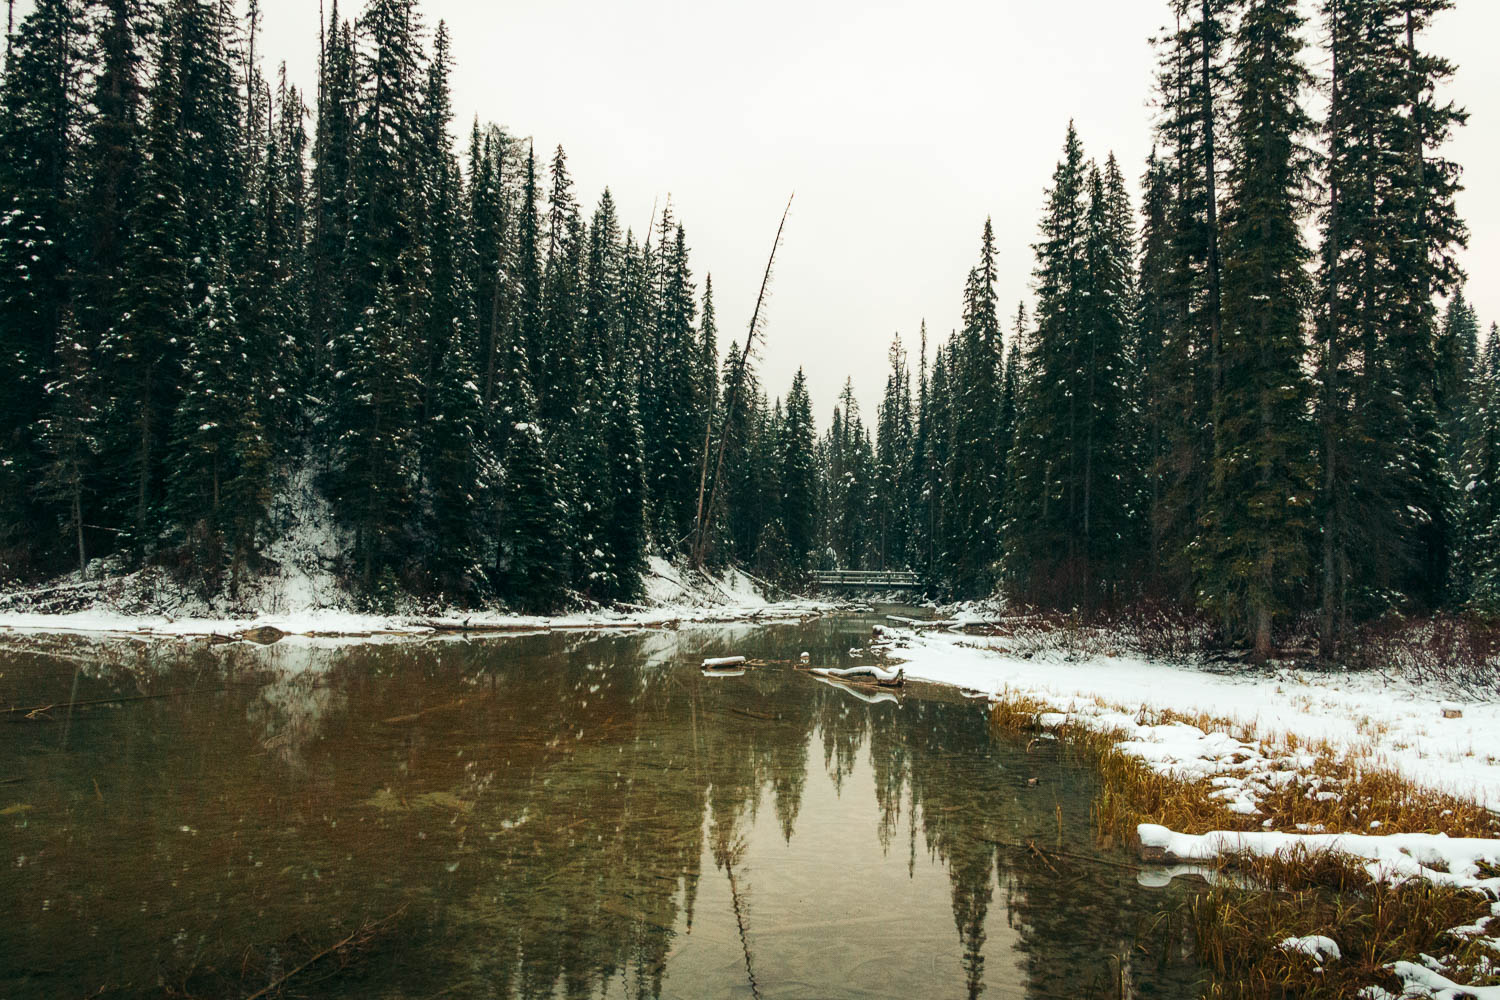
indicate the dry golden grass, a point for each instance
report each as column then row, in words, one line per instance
column 1367, row 793
column 1237, row 930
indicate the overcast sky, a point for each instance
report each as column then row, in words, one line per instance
column 900, row 124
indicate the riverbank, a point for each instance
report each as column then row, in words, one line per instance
column 1365, row 803
column 148, row 605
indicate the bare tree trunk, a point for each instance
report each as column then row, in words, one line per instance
column 1327, row 638
column 734, row 391
column 83, row 562
column 1211, row 177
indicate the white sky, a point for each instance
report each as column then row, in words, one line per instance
column 900, row 124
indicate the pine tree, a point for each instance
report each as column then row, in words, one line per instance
column 799, row 512
column 38, row 152
column 892, row 509
column 610, row 514
column 920, row 497
column 532, row 559
column 1253, row 558
column 1423, row 265
column 555, row 354
column 145, row 347
column 458, row 468
column 672, row 427
column 1191, row 86
column 1156, row 314
column 1043, row 502
column 1389, row 234
column 220, row 472
column 1457, row 397
column 110, row 166
column 1068, row 532
column 487, row 219
column 70, row 437
column 978, row 470
column 1481, row 483
column 378, row 401
column 332, row 171
column 377, row 389
column 939, row 488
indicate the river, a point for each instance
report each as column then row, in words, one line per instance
column 553, row 815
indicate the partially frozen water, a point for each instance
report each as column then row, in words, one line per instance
column 546, row 816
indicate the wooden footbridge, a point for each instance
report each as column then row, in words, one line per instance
column 866, row 580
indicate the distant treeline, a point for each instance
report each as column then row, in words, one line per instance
column 1205, row 408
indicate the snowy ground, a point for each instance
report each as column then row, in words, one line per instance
column 1384, row 720
column 303, row 601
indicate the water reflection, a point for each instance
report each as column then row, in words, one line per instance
column 575, row 816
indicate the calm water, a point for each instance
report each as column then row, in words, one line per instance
column 545, row 816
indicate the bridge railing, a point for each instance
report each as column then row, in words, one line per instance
column 867, row 578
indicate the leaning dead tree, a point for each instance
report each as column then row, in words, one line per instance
column 708, row 488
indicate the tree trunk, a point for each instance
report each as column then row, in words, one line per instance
column 1211, row 178
column 83, row 562
column 1327, row 637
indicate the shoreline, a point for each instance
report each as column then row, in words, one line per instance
column 267, row 629
column 1322, row 825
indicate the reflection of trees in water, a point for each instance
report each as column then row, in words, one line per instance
column 542, row 805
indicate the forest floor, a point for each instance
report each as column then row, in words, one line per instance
column 1369, row 801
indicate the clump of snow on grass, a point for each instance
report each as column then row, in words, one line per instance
column 1316, row 947
column 1420, row 981
column 1461, row 863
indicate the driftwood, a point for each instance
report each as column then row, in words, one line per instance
column 364, row 932
column 865, row 675
column 38, row 712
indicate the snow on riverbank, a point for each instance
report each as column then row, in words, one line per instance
column 116, row 607
column 1384, row 721
column 1275, row 718
column 1399, row 857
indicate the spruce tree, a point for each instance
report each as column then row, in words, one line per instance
column 1067, row 534
column 458, row 468
column 1152, row 390
column 1389, row 234
column 799, row 512
column 220, row 473
column 1191, row 85
column 332, row 171
column 110, row 167
column 555, row 355
column 978, row 470
column 1253, row 559
column 377, row 389
column 69, row 437
column 145, row 347
column 1481, row 483
column 892, row 508
column 670, row 410
column 38, row 153
column 532, row 558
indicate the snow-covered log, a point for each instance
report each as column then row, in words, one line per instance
column 866, row 674
column 722, row 662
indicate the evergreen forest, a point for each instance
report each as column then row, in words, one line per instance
column 1248, row 382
